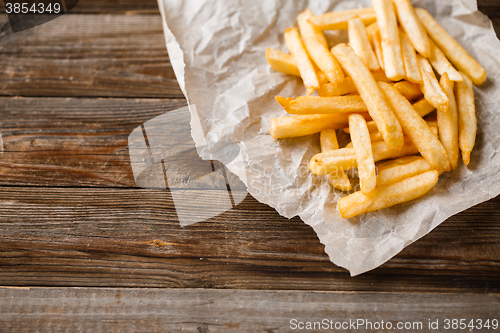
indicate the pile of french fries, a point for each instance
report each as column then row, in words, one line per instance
column 382, row 88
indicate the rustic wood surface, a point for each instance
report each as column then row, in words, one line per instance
column 71, row 215
column 115, row 56
column 194, row 310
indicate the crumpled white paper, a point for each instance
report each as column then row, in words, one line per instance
column 217, row 49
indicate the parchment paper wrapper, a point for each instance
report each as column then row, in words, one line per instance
column 217, row 49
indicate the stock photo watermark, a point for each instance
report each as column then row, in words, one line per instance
column 430, row 325
column 25, row 14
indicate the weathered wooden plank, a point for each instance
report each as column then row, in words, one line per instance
column 72, row 142
column 116, row 6
column 88, row 55
column 489, row 7
column 195, row 310
column 131, row 238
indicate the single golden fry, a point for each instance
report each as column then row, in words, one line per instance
column 448, row 123
column 355, row 204
column 322, row 105
column 430, row 86
column 410, row 60
column 388, row 195
column 291, row 127
column 423, row 107
column 333, row 161
column 370, row 29
column 328, row 140
column 376, row 41
column 320, row 36
column 380, row 76
column 364, row 156
column 316, row 49
column 409, row 90
column 304, row 64
column 416, row 129
column 467, row 122
column 282, row 62
column 396, row 170
column 413, row 27
column 382, row 152
column 339, row 179
column 358, row 40
column 330, row 90
column 391, row 44
column 453, row 50
column 441, row 64
column 370, row 92
column 338, row 20
column 345, row 158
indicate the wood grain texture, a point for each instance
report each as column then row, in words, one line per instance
column 131, row 238
column 114, row 56
column 116, row 7
column 489, row 7
column 72, row 142
column 193, row 310
column 70, row 215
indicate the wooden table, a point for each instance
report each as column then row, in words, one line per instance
column 82, row 248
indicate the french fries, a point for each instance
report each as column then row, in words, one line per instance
column 304, row 64
column 314, row 42
column 376, row 136
column 396, row 170
column 358, row 40
column 448, row 123
column 398, row 153
column 292, row 127
column 441, row 64
column 452, row 49
column 413, row 27
column 380, row 76
column 467, row 121
column 322, row 105
column 430, row 86
column 339, row 20
column 410, row 60
column 388, row 195
column 423, row 107
column 338, row 179
column 416, row 129
column 409, row 90
column 364, row 155
column 369, row 91
column 391, row 44
column 376, row 41
column 345, row 158
column 330, row 89
column 282, row 62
